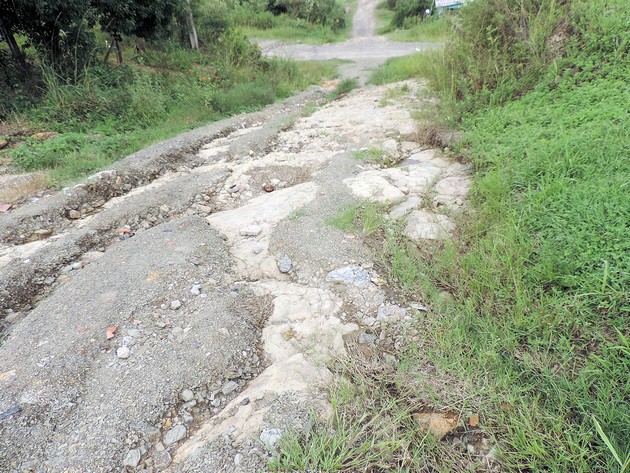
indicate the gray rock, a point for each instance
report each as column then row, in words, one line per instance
column 229, row 387
column 74, row 214
column 238, row 458
column 270, row 437
column 161, row 459
column 391, row 312
column 123, row 352
column 175, row 435
column 367, row 339
column 176, row 304
column 353, row 275
column 133, row 458
column 284, row 264
column 187, row 395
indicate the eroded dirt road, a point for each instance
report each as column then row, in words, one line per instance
column 178, row 313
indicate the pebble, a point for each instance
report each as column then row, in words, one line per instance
column 187, row 395
column 77, row 265
column 251, row 230
column 237, row 459
column 123, row 352
column 176, row 304
column 367, row 338
column 175, row 435
column 284, row 264
column 161, row 459
column 74, row 214
column 133, row 458
column 245, row 401
column 196, row 289
column 229, row 387
column 270, row 437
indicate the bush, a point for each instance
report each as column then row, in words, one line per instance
column 409, row 12
column 321, row 12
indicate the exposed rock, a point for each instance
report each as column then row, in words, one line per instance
column 437, row 424
column 176, row 304
column 133, row 458
column 187, row 395
column 391, row 312
column 270, row 437
column 374, row 188
column 251, row 230
column 46, row 135
column 284, row 264
column 423, row 225
column 229, row 387
column 175, row 435
column 352, row 275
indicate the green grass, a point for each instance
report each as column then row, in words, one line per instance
column 263, row 25
column 421, row 64
column 432, row 30
column 429, row 31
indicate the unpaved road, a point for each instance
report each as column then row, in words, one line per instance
column 177, row 313
column 364, row 52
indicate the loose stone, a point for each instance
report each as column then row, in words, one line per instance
column 187, row 395
column 133, row 458
column 284, row 264
column 229, row 387
column 175, row 435
column 270, row 437
column 123, row 352
column 176, row 304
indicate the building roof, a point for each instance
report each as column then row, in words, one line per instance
column 447, row 3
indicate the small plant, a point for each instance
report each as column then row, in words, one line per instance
column 370, row 154
column 343, row 88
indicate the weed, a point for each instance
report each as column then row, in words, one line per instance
column 343, row 88
column 370, row 154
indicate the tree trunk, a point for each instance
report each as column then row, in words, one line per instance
column 10, row 39
column 119, row 53
column 115, row 44
column 192, row 31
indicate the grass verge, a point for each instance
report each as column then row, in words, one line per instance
column 114, row 112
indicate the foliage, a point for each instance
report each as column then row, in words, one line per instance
column 324, row 12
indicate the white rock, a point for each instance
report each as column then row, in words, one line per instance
column 123, row 352
column 423, row 225
column 251, row 230
column 374, row 188
column 176, row 304
column 270, row 437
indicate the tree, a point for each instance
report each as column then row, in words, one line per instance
column 6, row 33
column 143, row 18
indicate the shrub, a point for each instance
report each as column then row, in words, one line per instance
column 322, row 12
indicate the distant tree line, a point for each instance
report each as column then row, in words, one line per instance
column 63, row 31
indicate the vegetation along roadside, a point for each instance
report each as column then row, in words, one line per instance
column 526, row 333
column 167, row 69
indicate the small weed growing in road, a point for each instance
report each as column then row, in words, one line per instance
column 297, row 214
column 370, row 154
column 366, row 217
column 343, row 88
